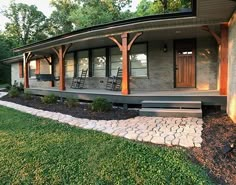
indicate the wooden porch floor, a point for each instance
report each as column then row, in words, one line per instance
column 208, row 97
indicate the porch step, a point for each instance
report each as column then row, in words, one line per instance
column 160, row 112
column 172, row 104
column 171, row 108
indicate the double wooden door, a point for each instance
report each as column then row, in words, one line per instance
column 185, row 67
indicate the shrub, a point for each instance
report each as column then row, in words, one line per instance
column 49, row 99
column 71, row 102
column 21, row 87
column 13, row 92
column 101, row 105
column 27, row 96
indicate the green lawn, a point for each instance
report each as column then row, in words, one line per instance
column 41, row 151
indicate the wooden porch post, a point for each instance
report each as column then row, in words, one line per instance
column 125, row 48
column 61, row 52
column 26, row 60
column 224, row 59
column 223, row 44
column 125, row 65
column 62, row 86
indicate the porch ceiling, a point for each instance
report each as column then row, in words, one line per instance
column 209, row 12
column 147, row 36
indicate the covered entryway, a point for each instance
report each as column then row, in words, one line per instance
column 185, row 70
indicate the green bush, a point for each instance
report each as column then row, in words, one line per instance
column 101, row 105
column 27, row 95
column 13, row 92
column 71, row 102
column 49, row 99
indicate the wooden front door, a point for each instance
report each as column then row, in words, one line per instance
column 185, row 63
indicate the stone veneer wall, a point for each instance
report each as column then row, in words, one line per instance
column 160, row 69
column 231, row 104
column 15, row 74
column 207, row 64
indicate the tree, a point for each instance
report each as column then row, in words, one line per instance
column 26, row 25
column 5, row 70
column 94, row 12
column 60, row 21
column 148, row 7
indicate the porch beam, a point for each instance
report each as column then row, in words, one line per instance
column 217, row 37
column 26, row 59
column 224, row 59
column 125, row 47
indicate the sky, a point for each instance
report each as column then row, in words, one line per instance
column 43, row 6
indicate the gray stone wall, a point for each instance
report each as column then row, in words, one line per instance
column 231, row 104
column 15, row 74
column 207, row 64
column 160, row 69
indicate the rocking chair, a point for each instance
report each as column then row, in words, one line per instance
column 114, row 82
column 78, row 82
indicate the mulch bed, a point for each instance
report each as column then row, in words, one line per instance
column 81, row 111
column 218, row 131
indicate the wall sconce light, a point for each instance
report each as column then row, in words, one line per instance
column 165, row 49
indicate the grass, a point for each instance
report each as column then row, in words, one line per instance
column 41, row 151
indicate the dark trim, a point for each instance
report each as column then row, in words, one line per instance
column 117, row 23
column 147, row 48
column 75, row 64
column 107, row 61
column 90, row 63
column 174, row 61
column 195, row 57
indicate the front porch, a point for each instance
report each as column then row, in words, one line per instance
column 207, row 97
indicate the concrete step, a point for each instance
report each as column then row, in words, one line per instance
column 172, row 104
column 160, row 112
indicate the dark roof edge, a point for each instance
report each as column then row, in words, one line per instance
column 12, row 59
column 114, row 24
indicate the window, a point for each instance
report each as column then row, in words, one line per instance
column 99, row 62
column 69, row 65
column 82, row 61
column 138, row 60
column 115, row 60
column 32, row 69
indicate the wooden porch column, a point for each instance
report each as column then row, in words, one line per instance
column 224, row 59
column 61, row 52
column 222, row 41
column 26, row 60
column 125, row 48
column 125, row 65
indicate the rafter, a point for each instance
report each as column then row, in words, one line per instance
column 134, row 38
column 116, row 41
column 217, row 37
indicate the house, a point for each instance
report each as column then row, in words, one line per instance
column 179, row 56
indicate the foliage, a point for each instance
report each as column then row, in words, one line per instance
column 19, row 86
column 101, row 105
column 13, row 92
column 148, row 7
column 27, row 95
column 34, row 150
column 59, row 21
column 94, row 12
column 49, row 99
column 27, row 23
column 71, row 102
